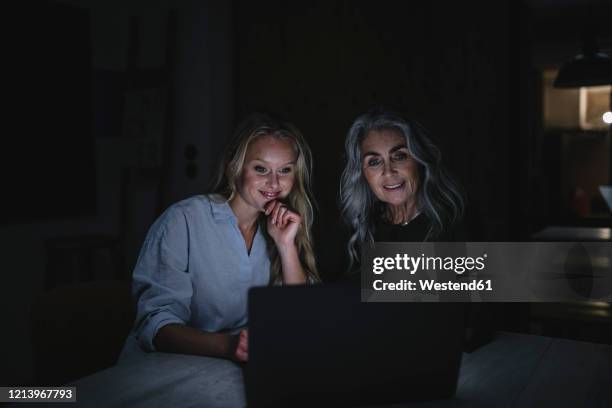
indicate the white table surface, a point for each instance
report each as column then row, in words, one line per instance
column 515, row 370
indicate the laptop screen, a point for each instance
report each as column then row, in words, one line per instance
column 606, row 192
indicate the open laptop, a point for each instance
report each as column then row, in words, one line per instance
column 606, row 192
column 320, row 346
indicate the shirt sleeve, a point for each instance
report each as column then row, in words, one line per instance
column 162, row 281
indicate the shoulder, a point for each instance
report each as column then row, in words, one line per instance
column 196, row 205
column 182, row 213
column 199, row 207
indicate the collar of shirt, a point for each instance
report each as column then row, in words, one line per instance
column 221, row 210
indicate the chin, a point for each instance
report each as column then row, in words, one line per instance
column 395, row 201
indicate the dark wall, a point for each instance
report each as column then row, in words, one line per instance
column 449, row 65
column 48, row 146
column 162, row 80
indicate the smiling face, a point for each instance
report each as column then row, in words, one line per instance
column 268, row 172
column 389, row 168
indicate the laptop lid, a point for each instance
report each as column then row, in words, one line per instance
column 606, row 192
column 319, row 345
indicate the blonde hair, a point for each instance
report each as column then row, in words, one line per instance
column 229, row 174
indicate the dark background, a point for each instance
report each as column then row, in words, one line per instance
column 117, row 109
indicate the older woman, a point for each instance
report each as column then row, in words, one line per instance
column 203, row 254
column 393, row 186
column 395, row 189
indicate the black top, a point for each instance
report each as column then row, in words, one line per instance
column 415, row 231
column 479, row 321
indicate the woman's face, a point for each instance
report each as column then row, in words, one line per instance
column 388, row 167
column 268, row 172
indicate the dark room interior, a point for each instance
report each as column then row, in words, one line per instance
column 118, row 109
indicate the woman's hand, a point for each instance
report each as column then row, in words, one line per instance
column 241, row 352
column 283, row 223
column 178, row 338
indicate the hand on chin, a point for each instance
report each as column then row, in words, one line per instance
column 283, row 223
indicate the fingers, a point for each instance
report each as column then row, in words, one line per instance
column 269, row 207
column 277, row 214
column 290, row 216
column 275, row 209
column 242, row 349
column 244, row 338
column 280, row 215
column 285, row 216
column 272, row 209
column 242, row 356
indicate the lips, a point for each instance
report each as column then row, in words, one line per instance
column 270, row 194
column 393, row 187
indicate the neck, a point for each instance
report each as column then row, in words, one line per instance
column 245, row 214
column 399, row 214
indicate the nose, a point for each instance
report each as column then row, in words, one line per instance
column 272, row 181
column 389, row 168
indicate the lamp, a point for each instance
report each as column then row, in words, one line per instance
column 591, row 68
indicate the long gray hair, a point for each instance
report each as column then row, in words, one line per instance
column 439, row 197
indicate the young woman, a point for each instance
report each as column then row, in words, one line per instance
column 203, row 254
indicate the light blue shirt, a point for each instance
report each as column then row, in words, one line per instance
column 194, row 269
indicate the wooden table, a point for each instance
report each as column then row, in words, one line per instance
column 513, row 370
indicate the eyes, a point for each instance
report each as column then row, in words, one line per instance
column 259, row 169
column 397, row 157
column 374, row 162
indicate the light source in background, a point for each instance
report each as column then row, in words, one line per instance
column 574, row 108
column 594, row 103
column 607, row 117
column 590, row 68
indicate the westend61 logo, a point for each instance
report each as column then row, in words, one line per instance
column 413, row 264
column 487, row 272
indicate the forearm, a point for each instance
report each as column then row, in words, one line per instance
column 293, row 273
column 177, row 338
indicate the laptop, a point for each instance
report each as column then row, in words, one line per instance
column 606, row 192
column 320, row 346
